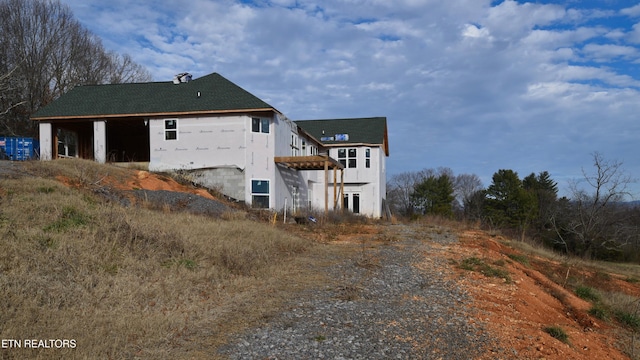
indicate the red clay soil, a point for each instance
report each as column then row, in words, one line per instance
column 148, row 181
column 145, row 180
column 516, row 312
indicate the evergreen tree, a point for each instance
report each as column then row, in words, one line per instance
column 434, row 195
column 508, row 203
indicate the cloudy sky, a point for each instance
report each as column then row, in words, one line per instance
column 473, row 85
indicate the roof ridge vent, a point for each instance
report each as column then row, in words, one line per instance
column 182, row 78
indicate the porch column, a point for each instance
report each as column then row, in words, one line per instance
column 335, row 188
column 46, row 141
column 326, row 187
column 100, row 141
column 342, row 189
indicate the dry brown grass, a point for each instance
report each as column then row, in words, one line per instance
column 133, row 282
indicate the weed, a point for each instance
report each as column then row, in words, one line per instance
column 632, row 280
column 47, row 242
column 587, row 293
column 557, row 333
column 349, row 292
column 320, row 338
column 186, row 263
column 479, row 265
column 519, row 258
column 46, row 189
column 600, row 312
column 71, row 217
column 628, row 319
column 470, row 263
column 602, row 276
column 111, row 269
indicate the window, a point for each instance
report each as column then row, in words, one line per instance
column 67, row 143
column 342, row 157
column 352, row 158
column 294, row 145
column 260, row 194
column 367, row 158
column 304, row 147
column 260, row 125
column 171, row 129
column 355, row 203
column 347, row 157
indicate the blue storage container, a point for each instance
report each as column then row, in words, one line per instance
column 18, row 148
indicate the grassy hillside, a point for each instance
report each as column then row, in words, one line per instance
column 126, row 282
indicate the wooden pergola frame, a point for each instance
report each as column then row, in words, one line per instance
column 318, row 162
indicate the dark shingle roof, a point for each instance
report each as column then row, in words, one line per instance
column 371, row 130
column 217, row 94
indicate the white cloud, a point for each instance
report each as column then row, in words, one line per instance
column 465, row 84
column 607, row 52
column 633, row 11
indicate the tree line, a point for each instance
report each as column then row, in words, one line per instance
column 45, row 52
column 593, row 221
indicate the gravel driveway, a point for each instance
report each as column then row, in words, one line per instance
column 388, row 309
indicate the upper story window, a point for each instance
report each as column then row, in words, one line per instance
column 260, row 125
column 171, row 129
column 347, row 157
column 294, row 145
column 367, row 158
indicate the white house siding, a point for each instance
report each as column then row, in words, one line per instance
column 368, row 183
column 259, row 159
column 201, row 142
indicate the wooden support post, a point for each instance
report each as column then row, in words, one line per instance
column 342, row 189
column 326, row 187
column 335, row 188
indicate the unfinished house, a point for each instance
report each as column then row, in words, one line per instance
column 223, row 137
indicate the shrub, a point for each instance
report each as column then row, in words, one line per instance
column 557, row 333
column 600, row 312
column 628, row 319
column 479, row 265
column 587, row 293
column 519, row 258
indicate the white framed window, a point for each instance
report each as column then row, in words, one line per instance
column 171, row 129
column 260, row 125
column 347, row 157
column 367, row 158
column 295, row 151
column 260, row 194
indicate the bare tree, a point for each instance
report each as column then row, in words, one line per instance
column 400, row 189
column 465, row 186
column 591, row 221
column 48, row 52
column 403, row 185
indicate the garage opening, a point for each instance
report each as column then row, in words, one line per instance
column 127, row 141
